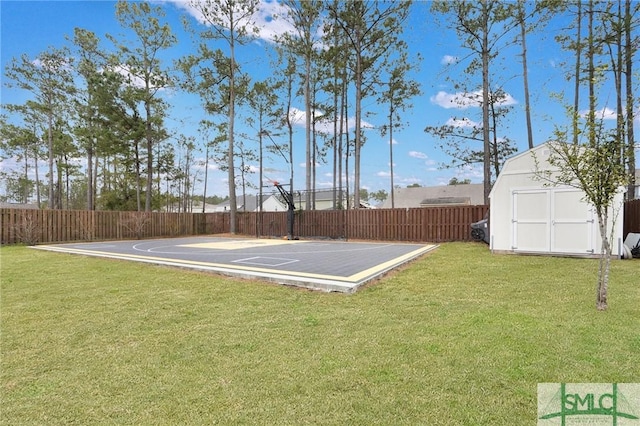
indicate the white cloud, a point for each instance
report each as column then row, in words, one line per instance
column 602, row 114
column 304, row 165
column 449, row 60
column 9, row 163
column 507, row 100
column 418, row 154
column 410, row 181
column 473, row 172
column 351, row 124
column 455, row 100
column 462, row 123
column 54, row 63
column 609, row 114
column 134, row 80
column 464, row 100
column 296, row 116
column 270, row 18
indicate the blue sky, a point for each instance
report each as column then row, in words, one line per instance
column 30, row 27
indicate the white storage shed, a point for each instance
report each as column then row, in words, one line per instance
column 527, row 216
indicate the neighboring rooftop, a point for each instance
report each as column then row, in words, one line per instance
column 5, row 205
column 443, row 195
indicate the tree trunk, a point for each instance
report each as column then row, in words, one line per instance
column 525, row 73
column 138, row 177
column 290, row 126
column 96, row 164
column 25, row 187
column 591, row 119
column 260, row 180
column 495, row 154
column 617, row 72
column 307, row 134
column 629, row 51
column 35, row 163
column 206, row 175
column 604, row 264
column 51, row 203
column 314, row 144
column 343, row 97
column 358, row 138
column 576, row 94
column 233, row 207
column 90, row 204
column 393, row 205
column 149, row 139
column 485, row 101
column 346, row 148
column 335, row 139
column 58, row 185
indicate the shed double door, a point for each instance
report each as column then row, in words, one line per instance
column 552, row 220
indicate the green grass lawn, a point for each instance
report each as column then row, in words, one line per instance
column 458, row 337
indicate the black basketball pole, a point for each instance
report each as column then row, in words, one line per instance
column 288, row 198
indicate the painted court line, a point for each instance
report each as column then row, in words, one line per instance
column 265, row 261
column 240, row 244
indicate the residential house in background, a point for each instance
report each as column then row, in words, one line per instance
column 208, row 208
column 249, row 203
column 324, row 199
column 437, row 196
column 273, row 202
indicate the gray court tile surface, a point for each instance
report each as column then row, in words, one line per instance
column 316, row 264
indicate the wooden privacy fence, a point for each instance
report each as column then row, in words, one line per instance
column 52, row 226
column 631, row 217
column 436, row 224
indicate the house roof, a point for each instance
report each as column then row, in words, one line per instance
column 445, row 200
column 472, row 194
column 30, row 206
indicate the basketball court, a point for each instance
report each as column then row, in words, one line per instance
column 332, row 266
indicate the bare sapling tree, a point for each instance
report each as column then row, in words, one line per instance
column 595, row 160
column 594, row 169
